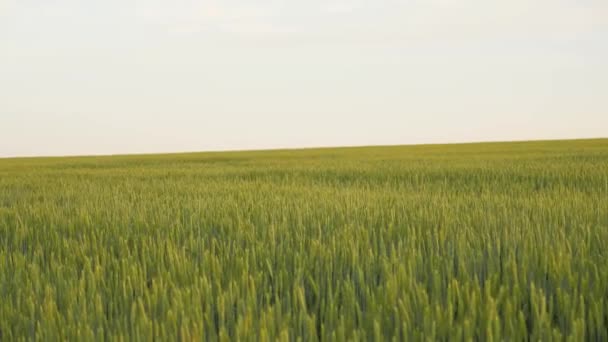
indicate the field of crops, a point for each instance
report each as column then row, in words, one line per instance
column 475, row 241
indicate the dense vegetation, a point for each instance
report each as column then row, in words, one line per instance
column 475, row 241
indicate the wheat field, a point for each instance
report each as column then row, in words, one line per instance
column 492, row 241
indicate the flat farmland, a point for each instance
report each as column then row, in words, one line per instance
column 489, row 241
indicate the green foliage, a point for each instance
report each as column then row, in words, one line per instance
column 502, row 241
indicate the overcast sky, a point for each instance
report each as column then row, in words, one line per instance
column 123, row 76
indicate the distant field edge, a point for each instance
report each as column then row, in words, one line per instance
column 311, row 148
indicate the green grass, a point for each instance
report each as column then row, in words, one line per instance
column 496, row 241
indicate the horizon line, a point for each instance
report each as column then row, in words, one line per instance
column 301, row 148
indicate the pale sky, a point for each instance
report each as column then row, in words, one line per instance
column 133, row 76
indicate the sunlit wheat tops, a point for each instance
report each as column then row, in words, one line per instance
column 477, row 242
